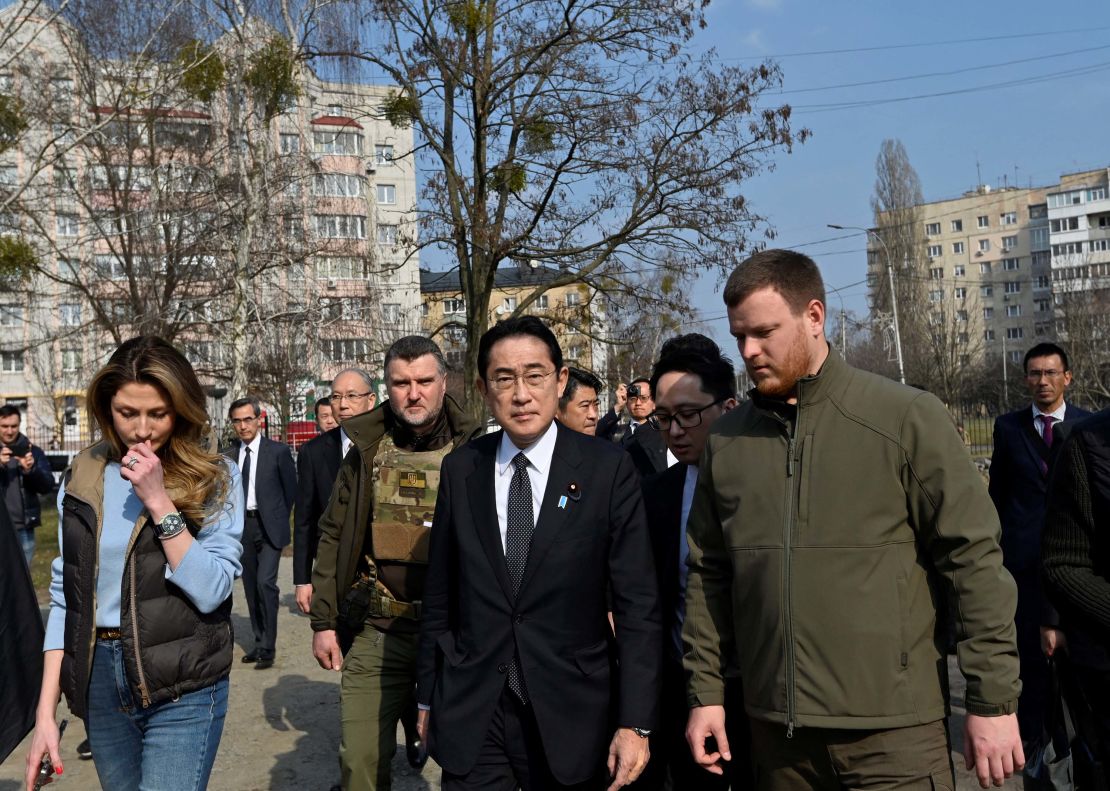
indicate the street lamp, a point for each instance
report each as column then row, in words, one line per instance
column 893, row 296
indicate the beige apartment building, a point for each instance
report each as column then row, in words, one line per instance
column 339, row 276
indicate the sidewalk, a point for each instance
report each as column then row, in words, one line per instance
column 282, row 728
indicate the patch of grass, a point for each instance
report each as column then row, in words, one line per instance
column 46, row 549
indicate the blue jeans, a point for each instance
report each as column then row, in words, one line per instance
column 169, row 746
column 27, row 542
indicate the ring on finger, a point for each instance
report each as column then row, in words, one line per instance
column 132, row 462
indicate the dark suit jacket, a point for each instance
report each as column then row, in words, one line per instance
column 275, row 487
column 1018, row 486
column 557, row 623
column 317, row 467
column 663, row 503
column 647, row 449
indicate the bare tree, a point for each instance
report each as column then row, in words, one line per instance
column 1083, row 319
column 575, row 135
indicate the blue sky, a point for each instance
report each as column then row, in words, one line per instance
column 1034, row 130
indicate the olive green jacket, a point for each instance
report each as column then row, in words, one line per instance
column 344, row 523
column 818, row 557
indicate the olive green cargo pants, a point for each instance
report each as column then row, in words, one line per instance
column 916, row 758
column 379, row 682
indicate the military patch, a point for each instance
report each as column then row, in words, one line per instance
column 412, row 483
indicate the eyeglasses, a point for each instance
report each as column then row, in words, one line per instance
column 236, row 421
column 350, row 396
column 533, row 380
column 1051, row 373
column 685, row 418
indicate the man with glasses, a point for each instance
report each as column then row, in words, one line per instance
column 371, row 565
column 694, row 384
column 1023, row 442
column 537, row 528
column 269, row 488
column 646, row 447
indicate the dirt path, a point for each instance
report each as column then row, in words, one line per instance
column 282, row 726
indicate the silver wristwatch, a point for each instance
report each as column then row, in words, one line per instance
column 643, row 733
column 170, row 526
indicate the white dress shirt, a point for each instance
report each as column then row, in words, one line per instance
column 539, row 466
column 688, row 487
column 254, row 444
column 1058, row 414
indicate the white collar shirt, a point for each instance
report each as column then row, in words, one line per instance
column 1056, row 413
column 539, row 455
column 254, row 445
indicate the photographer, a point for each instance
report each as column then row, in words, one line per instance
column 24, row 475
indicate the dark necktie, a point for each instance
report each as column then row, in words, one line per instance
column 518, row 537
column 246, row 474
column 1046, row 422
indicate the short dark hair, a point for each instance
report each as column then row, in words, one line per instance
column 7, row 410
column 412, row 347
column 696, row 354
column 509, row 328
column 239, row 403
column 578, row 378
column 1045, row 350
column 795, row 276
column 323, row 401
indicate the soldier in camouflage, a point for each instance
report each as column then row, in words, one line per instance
column 372, row 558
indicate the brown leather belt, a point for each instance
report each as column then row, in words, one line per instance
column 104, row 633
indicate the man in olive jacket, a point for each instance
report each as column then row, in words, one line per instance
column 832, row 512
column 361, row 537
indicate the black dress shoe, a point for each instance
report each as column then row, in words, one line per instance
column 84, row 752
column 251, row 656
column 416, row 753
column 264, row 663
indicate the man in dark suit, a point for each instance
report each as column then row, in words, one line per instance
column 1023, row 442
column 534, row 525
column 269, row 488
column 646, row 447
column 694, row 385
column 317, row 467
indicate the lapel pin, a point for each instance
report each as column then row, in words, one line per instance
column 574, row 491
column 563, row 501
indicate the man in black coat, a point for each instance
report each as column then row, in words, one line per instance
column 269, row 482
column 1023, row 441
column 694, row 385
column 646, row 447
column 535, row 524
column 24, row 475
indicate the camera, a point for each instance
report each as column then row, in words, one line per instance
column 21, row 446
column 634, row 390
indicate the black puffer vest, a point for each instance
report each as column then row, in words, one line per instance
column 170, row 647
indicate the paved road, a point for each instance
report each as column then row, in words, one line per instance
column 283, row 724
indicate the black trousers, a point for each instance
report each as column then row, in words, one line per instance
column 512, row 756
column 260, row 568
column 1033, row 702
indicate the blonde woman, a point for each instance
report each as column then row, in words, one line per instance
column 139, row 634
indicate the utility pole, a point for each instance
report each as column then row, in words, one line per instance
column 843, row 334
column 893, row 295
column 1005, row 376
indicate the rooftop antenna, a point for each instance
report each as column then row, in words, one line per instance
column 978, row 173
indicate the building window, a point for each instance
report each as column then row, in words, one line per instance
column 345, row 349
column 984, row 267
column 391, row 313
column 339, row 143
column 961, row 315
column 958, row 270
column 1038, row 238
column 387, row 234
column 1012, row 311
column 340, row 268
column 541, row 302
column 1008, row 218
column 1038, row 211
column 936, row 273
column 961, row 292
column 1043, row 305
column 1104, row 221
column 383, row 155
column 387, row 194
column 986, row 291
column 1064, row 224
column 1068, row 248
column 1014, row 334
column 1009, row 242
column 988, row 335
column 984, row 245
column 932, row 229
column 340, row 226
column 957, row 226
column 983, row 221
column 936, row 295
column 509, row 304
column 573, row 299
column 69, row 313
column 11, row 316
column 293, row 226
column 71, row 360
column 988, row 314
column 1099, row 245
column 290, row 144
column 454, row 305
column 958, row 247
column 338, row 185
column 934, row 251
column 68, row 225
column 1059, row 200
column 1041, row 259
column 962, row 339
column 1013, row 288
column 574, row 352
column 1011, row 264
column 1098, row 193
column 11, row 362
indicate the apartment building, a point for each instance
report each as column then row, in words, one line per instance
column 1079, row 231
column 123, row 244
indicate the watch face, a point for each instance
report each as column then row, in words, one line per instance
column 171, row 525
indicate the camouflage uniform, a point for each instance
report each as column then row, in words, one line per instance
column 373, row 553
